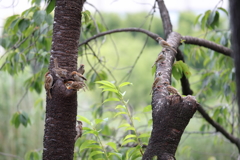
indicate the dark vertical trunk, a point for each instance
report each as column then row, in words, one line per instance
column 235, row 27
column 171, row 114
column 61, row 110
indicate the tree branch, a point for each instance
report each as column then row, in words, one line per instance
column 219, row 128
column 150, row 34
column 167, row 25
column 186, row 90
column 208, row 44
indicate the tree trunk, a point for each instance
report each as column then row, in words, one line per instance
column 171, row 114
column 235, row 27
column 61, row 110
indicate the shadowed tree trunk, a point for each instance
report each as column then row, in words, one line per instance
column 171, row 114
column 235, row 27
column 61, row 110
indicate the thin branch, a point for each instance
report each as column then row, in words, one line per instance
column 150, row 34
column 109, row 71
column 186, row 90
column 10, row 155
column 208, row 44
column 219, row 128
column 111, row 38
column 167, row 25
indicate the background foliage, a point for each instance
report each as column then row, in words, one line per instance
column 115, row 128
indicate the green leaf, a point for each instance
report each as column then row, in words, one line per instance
column 129, row 141
column 211, row 18
column 136, row 118
column 87, row 16
column 28, row 31
column 113, row 145
column 39, row 17
column 110, row 90
column 204, row 19
column 95, row 153
column 10, row 20
column 97, row 121
column 177, row 72
column 50, row 6
column 23, row 24
column 119, row 155
column 215, row 22
column 15, row 119
column 119, row 113
column 91, row 132
column 124, row 84
column 111, row 99
column 124, row 125
column 147, row 108
column 224, row 10
column 120, row 106
column 130, row 128
column 106, row 83
column 196, row 20
column 129, row 136
column 150, row 122
column 144, row 135
column 185, row 70
column 24, row 119
column 87, row 144
column 84, row 119
column 154, row 69
column 31, row 155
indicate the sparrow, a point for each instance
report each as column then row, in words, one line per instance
column 164, row 44
column 74, row 85
column 156, row 82
column 48, row 84
column 160, row 58
column 171, row 89
column 59, row 72
column 79, row 77
column 81, row 69
column 78, row 130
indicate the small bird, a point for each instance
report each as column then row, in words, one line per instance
column 81, row 69
column 78, row 76
column 171, row 89
column 74, row 85
column 59, row 72
column 48, row 84
column 160, row 58
column 164, row 44
column 78, row 130
column 156, row 82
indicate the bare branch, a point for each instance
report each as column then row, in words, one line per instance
column 186, row 90
column 208, row 44
column 219, row 128
column 167, row 25
column 150, row 34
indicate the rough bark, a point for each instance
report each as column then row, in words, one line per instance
column 167, row 25
column 235, row 27
column 61, row 110
column 171, row 114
